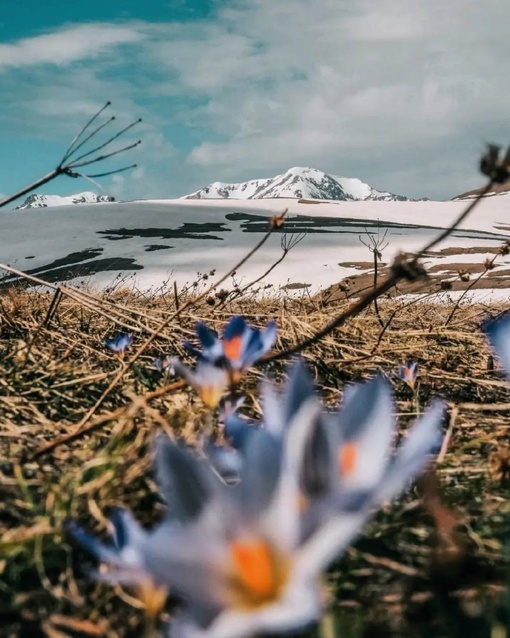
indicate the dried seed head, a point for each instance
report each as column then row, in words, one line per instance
column 463, row 274
column 488, row 264
column 505, row 248
column 222, row 294
column 495, row 164
column 406, row 266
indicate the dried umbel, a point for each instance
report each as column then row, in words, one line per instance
column 495, row 163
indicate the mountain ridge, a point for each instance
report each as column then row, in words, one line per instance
column 298, row 182
column 36, row 200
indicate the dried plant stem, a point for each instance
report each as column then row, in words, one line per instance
column 27, row 189
column 106, row 418
column 398, row 272
column 448, row 231
column 68, row 163
column 473, row 283
column 352, row 311
column 376, row 306
column 80, row 428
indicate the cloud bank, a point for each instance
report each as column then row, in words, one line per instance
column 403, row 95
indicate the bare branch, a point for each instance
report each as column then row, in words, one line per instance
column 89, row 137
column 103, row 157
column 109, row 141
column 67, row 164
column 82, row 131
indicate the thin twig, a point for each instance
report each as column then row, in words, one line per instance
column 404, row 268
column 101, row 158
column 81, row 426
column 89, row 137
column 488, row 266
column 68, row 163
column 109, row 141
column 82, row 131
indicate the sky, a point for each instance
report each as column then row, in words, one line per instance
column 401, row 94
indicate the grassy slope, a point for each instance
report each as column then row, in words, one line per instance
column 52, row 374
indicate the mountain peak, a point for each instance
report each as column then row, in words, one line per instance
column 37, row 200
column 301, row 182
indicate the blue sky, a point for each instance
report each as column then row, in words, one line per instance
column 401, row 94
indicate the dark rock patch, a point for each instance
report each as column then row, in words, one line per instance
column 70, row 271
column 187, row 230
column 152, row 247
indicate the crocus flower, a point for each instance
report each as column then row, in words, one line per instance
column 274, row 551
column 125, row 558
column 119, row 343
column 408, row 373
column 239, row 348
column 234, row 556
column 279, row 409
column 164, row 365
column 209, row 380
column 356, row 466
column 248, row 559
column 498, row 333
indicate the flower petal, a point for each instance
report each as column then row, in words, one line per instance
column 498, row 332
column 183, row 481
column 423, row 441
column 366, row 426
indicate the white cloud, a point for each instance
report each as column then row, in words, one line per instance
column 67, row 45
column 401, row 94
column 339, row 87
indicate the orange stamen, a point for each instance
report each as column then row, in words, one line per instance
column 347, row 459
column 232, row 348
column 254, row 567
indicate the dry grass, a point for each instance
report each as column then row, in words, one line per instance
column 411, row 558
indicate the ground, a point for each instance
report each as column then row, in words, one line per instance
column 433, row 564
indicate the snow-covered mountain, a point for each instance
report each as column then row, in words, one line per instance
column 298, row 182
column 43, row 201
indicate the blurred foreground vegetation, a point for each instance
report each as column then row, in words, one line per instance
column 434, row 564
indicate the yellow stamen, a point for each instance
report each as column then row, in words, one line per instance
column 210, row 395
column 152, row 596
